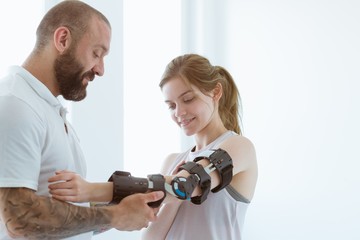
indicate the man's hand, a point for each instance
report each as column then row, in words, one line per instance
column 134, row 213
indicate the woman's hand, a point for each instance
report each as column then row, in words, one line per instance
column 69, row 186
column 176, row 170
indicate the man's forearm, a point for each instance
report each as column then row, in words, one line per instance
column 35, row 217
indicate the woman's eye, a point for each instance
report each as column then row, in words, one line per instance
column 188, row 99
column 171, row 107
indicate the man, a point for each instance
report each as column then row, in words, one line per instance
column 36, row 140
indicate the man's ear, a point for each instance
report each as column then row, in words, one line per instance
column 62, row 39
column 217, row 91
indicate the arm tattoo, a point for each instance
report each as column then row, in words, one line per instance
column 35, row 217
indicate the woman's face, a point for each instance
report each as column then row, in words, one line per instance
column 189, row 107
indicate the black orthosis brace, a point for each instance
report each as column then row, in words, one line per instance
column 180, row 187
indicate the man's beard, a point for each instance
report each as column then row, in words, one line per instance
column 69, row 76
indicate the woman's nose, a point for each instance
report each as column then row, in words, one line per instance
column 180, row 111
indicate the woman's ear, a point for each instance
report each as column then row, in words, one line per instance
column 62, row 39
column 217, row 92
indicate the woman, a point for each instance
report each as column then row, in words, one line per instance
column 204, row 102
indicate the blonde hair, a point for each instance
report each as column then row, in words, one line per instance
column 198, row 71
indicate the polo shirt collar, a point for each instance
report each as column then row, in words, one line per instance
column 36, row 85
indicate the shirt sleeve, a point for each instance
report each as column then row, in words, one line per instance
column 21, row 141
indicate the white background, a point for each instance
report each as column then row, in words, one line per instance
column 297, row 67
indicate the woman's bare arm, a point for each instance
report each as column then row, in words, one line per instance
column 69, row 186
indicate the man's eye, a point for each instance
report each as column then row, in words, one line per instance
column 96, row 55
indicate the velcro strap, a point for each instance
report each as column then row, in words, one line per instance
column 158, row 181
column 125, row 185
column 222, row 161
column 204, row 182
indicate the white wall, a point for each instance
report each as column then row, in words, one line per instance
column 151, row 40
column 17, row 36
column 297, row 65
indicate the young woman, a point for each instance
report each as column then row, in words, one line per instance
column 204, row 102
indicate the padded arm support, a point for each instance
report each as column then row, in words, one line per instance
column 204, row 180
column 125, row 185
column 181, row 187
column 222, row 161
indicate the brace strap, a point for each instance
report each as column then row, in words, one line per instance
column 204, row 180
column 158, row 182
column 125, row 185
column 222, row 161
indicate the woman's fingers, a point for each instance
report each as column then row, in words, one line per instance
column 62, row 176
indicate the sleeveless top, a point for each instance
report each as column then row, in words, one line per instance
column 220, row 216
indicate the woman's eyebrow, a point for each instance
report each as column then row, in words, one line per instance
column 184, row 93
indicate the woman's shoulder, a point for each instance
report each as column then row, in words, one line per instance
column 236, row 141
column 168, row 162
column 171, row 157
column 242, row 151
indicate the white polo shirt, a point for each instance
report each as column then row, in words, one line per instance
column 33, row 138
